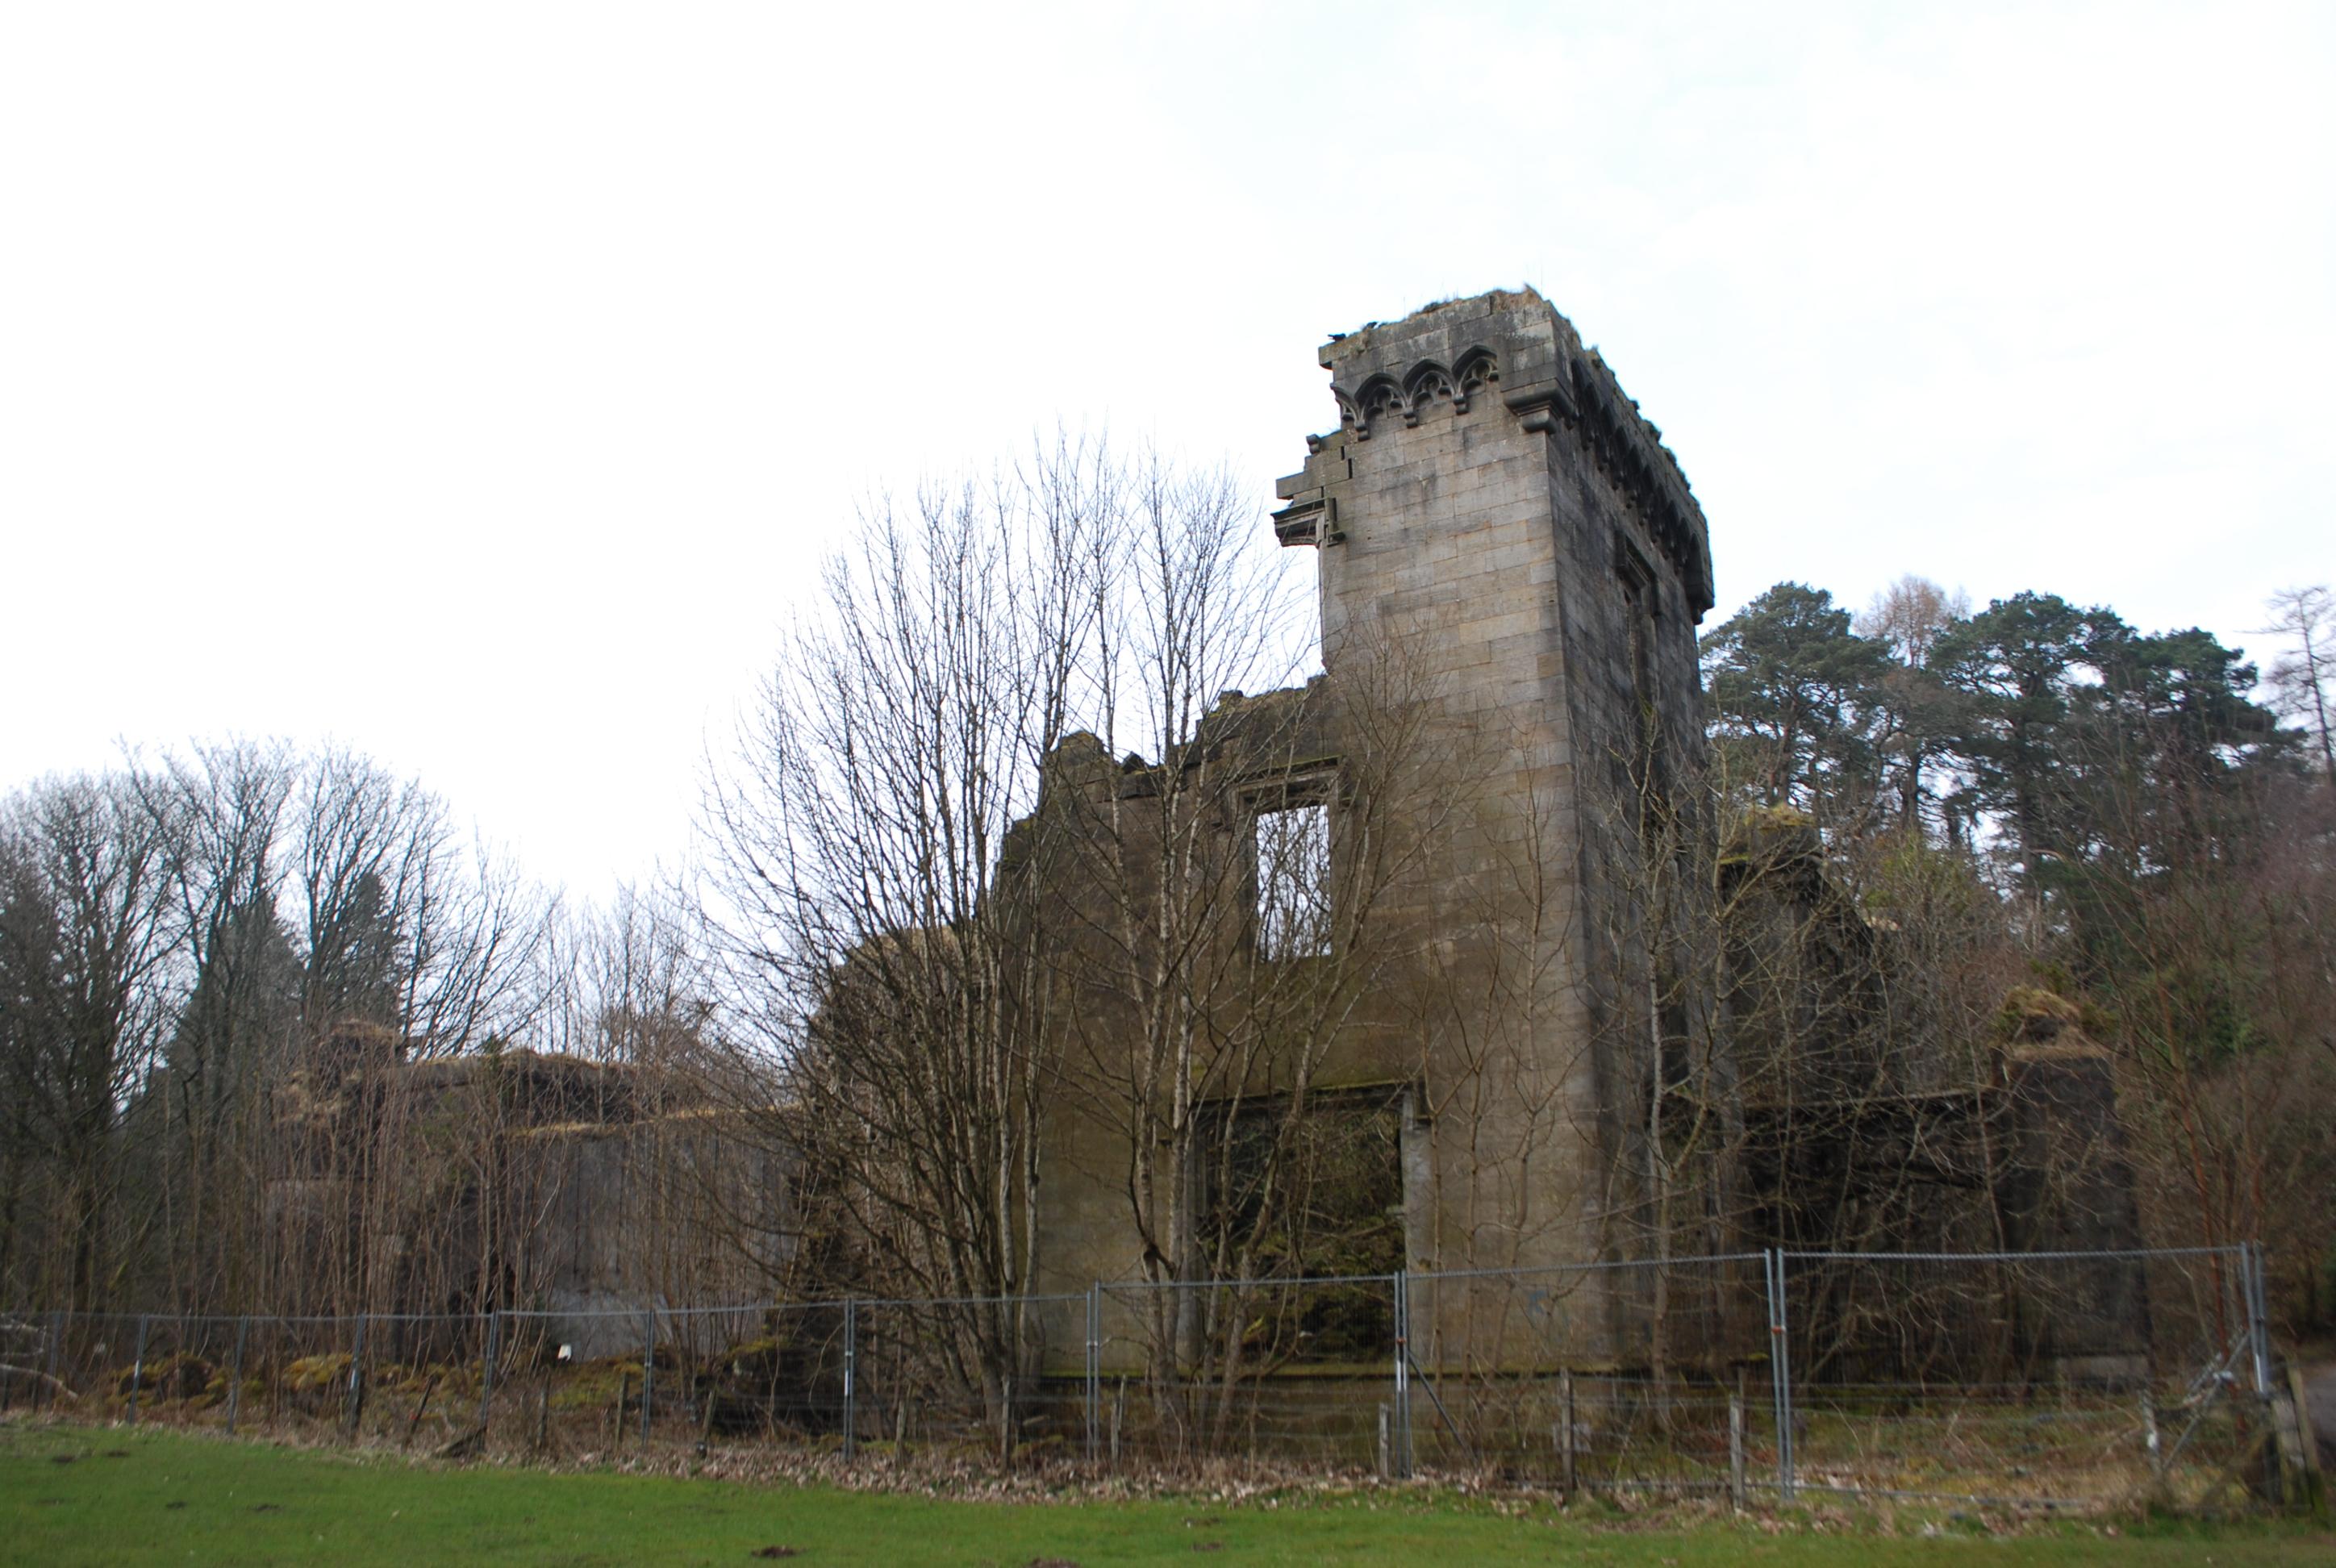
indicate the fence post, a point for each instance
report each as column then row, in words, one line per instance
column 136, row 1369
column 1094, row 1368
column 2150, row 1437
column 1780, row 1373
column 2259, row 1344
column 1736, row 1447
column 487, row 1370
column 850, row 1378
column 1006, row 1424
column 356, row 1380
column 56, row 1344
column 1400, row 1281
column 2314, row 1484
column 1386, row 1461
column 2258, row 1315
column 1566, row 1429
column 235, row 1375
column 648, row 1372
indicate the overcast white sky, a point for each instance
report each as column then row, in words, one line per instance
column 480, row 384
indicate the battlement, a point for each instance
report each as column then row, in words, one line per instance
column 1513, row 348
column 1509, row 568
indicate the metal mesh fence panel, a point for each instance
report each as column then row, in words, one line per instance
column 26, row 1339
column 2062, row 1377
column 303, row 1374
column 574, row 1385
column 2076, row 1379
column 418, row 1377
column 724, row 1376
column 186, row 1370
column 170, row 1372
column 784, row 1382
column 1005, row 1378
column 1283, row 1371
column 1638, row 1373
column 126, row 1366
column 92, row 1356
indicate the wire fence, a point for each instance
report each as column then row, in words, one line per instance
column 2071, row 1379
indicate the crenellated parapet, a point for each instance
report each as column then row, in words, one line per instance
column 1383, row 395
column 1514, row 351
column 1630, row 451
column 1484, row 776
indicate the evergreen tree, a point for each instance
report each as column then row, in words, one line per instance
column 2020, row 665
column 1918, row 711
column 1795, row 694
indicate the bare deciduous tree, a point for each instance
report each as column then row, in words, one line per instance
column 883, row 976
column 219, row 810
column 86, row 928
column 2306, row 618
column 1909, row 617
column 403, row 924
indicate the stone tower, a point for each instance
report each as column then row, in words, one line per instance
column 1492, row 504
column 1495, row 521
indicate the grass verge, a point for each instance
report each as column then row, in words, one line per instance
column 78, row 1494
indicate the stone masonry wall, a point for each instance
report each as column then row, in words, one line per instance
column 1493, row 515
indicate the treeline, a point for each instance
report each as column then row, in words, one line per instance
column 2141, row 824
column 208, row 957
column 203, row 955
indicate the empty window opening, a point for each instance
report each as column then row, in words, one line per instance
column 1642, row 608
column 1293, row 882
column 1310, row 1194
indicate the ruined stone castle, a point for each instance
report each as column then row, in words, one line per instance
column 1530, row 1063
column 1433, row 968
column 1493, row 517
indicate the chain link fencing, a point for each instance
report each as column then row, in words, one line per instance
column 2074, row 1379
column 2071, row 1377
column 1618, row 1375
column 1251, row 1372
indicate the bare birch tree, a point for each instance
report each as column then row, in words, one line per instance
column 1225, row 910
column 880, row 973
column 2304, row 674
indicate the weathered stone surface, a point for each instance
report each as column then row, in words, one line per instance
column 1493, row 515
column 1493, row 511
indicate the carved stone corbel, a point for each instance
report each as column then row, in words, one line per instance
column 1313, row 520
column 1539, row 405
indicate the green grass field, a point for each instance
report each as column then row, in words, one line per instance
column 120, row 1495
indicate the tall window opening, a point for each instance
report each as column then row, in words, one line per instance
column 1310, row 1194
column 1293, row 879
column 1642, row 603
